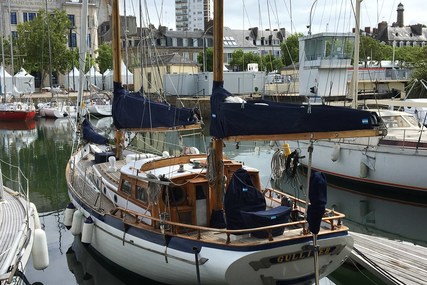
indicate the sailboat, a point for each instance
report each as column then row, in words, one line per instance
column 389, row 167
column 21, row 235
column 195, row 218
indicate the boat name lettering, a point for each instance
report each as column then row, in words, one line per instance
column 269, row 261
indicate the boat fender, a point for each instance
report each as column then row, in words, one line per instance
column 287, row 149
column 68, row 215
column 112, row 161
column 364, row 170
column 76, row 226
column 19, row 107
column 165, row 154
column 335, row 153
column 37, row 223
column 39, row 252
column 87, row 231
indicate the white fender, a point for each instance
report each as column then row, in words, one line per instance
column 39, row 252
column 76, row 227
column 364, row 170
column 335, row 153
column 87, row 231
column 68, row 215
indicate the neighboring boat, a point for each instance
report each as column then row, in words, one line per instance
column 57, row 109
column 99, row 105
column 389, row 167
column 17, row 111
column 21, row 234
column 201, row 218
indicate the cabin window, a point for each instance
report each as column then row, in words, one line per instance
column 201, row 192
column 176, row 195
column 126, row 187
column 141, row 194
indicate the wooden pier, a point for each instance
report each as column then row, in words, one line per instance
column 394, row 262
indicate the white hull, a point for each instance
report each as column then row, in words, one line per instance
column 99, row 110
column 391, row 167
column 58, row 112
column 157, row 262
column 142, row 249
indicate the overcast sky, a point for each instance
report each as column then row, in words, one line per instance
column 294, row 15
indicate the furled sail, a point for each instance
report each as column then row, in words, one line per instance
column 261, row 117
column 133, row 111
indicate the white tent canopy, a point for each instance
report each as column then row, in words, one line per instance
column 108, row 79
column 5, row 81
column 72, row 80
column 126, row 77
column 24, row 82
column 93, row 77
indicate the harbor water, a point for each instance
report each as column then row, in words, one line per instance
column 42, row 150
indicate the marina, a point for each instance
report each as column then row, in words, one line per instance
column 142, row 188
column 53, row 143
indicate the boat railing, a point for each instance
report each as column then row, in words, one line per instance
column 332, row 221
column 14, row 179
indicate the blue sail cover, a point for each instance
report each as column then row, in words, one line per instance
column 91, row 135
column 131, row 110
column 271, row 118
column 318, row 199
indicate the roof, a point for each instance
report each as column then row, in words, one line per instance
column 170, row 59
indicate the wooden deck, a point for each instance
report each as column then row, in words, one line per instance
column 13, row 221
column 394, row 262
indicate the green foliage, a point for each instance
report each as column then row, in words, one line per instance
column 209, row 59
column 35, row 37
column 105, row 57
column 290, row 49
column 239, row 60
column 270, row 63
column 374, row 50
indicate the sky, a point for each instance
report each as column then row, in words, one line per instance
column 294, row 15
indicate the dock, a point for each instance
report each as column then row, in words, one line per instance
column 394, row 262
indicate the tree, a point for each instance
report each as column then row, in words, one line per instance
column 105, row 57
column 208, row 57
column 270, row 63
column 374, row 50
column 290, row 49
column 35, row 37
column 239, row 60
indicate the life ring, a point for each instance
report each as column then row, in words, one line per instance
column 18, row 107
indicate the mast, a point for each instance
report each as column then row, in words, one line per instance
column 117, row 56
column 218, row 77
column 355, row 81
column 82, row 56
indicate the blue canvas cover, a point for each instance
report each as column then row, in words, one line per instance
column 91, row 135
column 133, row 111
column 241, row 195
column 274, row 216
column 318, row 199
column 272, row 118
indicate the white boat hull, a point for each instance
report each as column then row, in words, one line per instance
column 99, row 110
column 390, row 172
column 220, row 265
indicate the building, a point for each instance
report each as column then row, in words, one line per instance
column 14, row 12
column 192, row 15
column 400, row 35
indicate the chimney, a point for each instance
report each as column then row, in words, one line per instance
column 400, row 10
